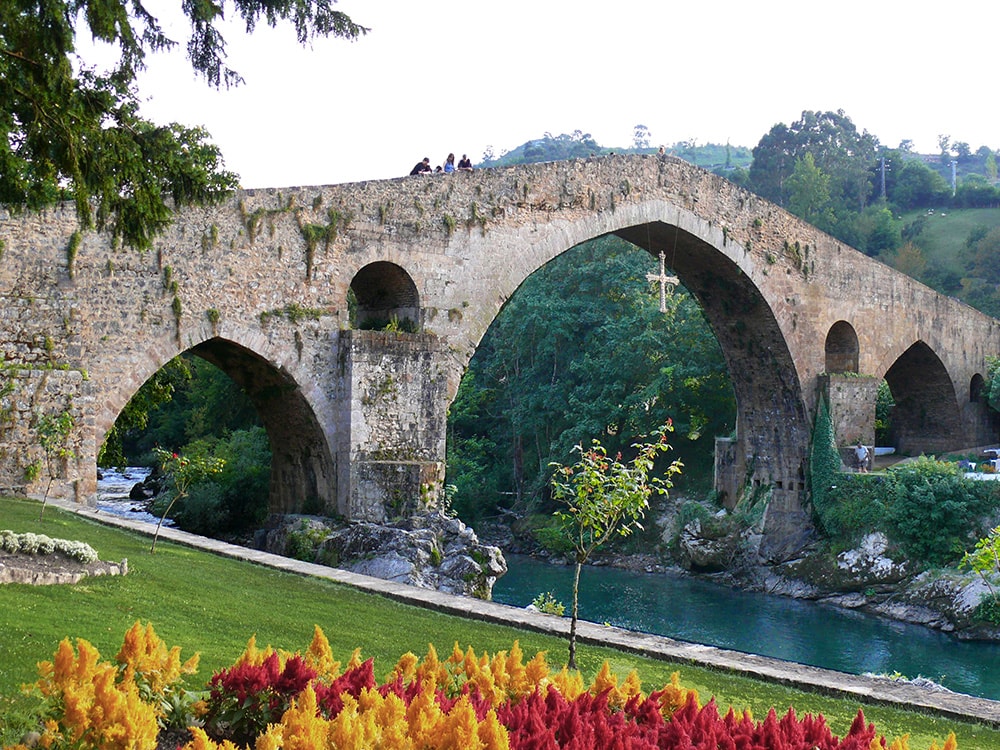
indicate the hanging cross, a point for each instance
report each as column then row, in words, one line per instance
column 663, row 280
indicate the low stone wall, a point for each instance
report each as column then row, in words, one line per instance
column 44, row 570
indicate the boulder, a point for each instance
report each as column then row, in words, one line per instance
column 868, row 568
column 430, row 550
column 706, row 552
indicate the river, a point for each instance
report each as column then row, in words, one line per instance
column 690, row 609
column 112, row 494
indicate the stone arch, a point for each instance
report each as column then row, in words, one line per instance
column 303, row 470
column 772, row 422
column 773, row 428
column 976, row 386
column 926, row 417
column 382, row 291
column 842, row 348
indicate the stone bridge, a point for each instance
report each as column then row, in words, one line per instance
column 276, row 286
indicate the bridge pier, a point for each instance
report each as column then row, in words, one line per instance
column 392, row 452
column 852, row 400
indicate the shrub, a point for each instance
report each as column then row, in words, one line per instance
column 39, row 544
column 547, row 603
column 236, row 497
column 933, row 512
column 855, row 507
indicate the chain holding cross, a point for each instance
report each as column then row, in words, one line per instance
column 663, row 280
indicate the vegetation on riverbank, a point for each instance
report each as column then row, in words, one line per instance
column 209, row 604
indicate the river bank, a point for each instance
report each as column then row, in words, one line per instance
column 872, row 578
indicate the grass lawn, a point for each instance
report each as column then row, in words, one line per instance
column 212, row 605
column 946, row 230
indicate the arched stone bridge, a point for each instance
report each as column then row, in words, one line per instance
column 274, row 285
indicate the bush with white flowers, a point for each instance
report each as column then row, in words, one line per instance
column 39, row 544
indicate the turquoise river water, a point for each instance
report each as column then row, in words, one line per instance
column 699, row 611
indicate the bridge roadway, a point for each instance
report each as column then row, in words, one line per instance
column 275, row 286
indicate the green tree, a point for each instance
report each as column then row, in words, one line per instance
column 837, row 147
column 809, row 193
column 915, row 185
column 878, row 231
column 990, row 165
column 70, row 131
column 53, row 431
column 910, row 259
column 603, row 497
column 983, row 255
column 134, row 418
column 824, row 468
column 183, row 471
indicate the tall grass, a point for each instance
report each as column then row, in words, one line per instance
column 212, row 604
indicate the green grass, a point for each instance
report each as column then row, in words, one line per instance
column 212, row 604
column 946, row 230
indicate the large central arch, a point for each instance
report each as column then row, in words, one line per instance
column 772, row 420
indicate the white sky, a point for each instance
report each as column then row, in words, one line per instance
column 443, row 76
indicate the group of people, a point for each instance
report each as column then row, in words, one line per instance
column 424, row 167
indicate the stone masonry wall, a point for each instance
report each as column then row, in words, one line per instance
column 397, row 435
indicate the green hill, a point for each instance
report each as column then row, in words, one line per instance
column 944, row 233
column 578, row 145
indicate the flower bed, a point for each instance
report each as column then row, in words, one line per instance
column 271, row 700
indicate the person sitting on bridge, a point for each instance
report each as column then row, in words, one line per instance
column 422, row 167
column 449, row 164
column 465, row 164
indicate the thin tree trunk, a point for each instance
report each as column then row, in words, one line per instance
column 572, row 623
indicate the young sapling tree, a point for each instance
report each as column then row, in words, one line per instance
column 606, row 496
column 185, row 471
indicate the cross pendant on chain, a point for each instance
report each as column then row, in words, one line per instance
column 663, row 280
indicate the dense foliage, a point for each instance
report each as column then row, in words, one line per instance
column 582, row 351
column 68, row 131
column 193, row 409
column 232, row 499
column 272, row 699
column 927, row 507
column 824, row 467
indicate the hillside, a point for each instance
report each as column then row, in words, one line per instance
column 578, row 145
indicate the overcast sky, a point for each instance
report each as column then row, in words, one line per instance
column 459, row 76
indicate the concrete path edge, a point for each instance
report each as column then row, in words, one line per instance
column 867, row 690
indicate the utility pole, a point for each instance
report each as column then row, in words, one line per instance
column 954, row 177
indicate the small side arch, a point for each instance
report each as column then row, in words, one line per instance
column 383, row 291
column 842, row 348
column 976, row 386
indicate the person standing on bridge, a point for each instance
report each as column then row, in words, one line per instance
column 422, row 167
column 862, row 454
